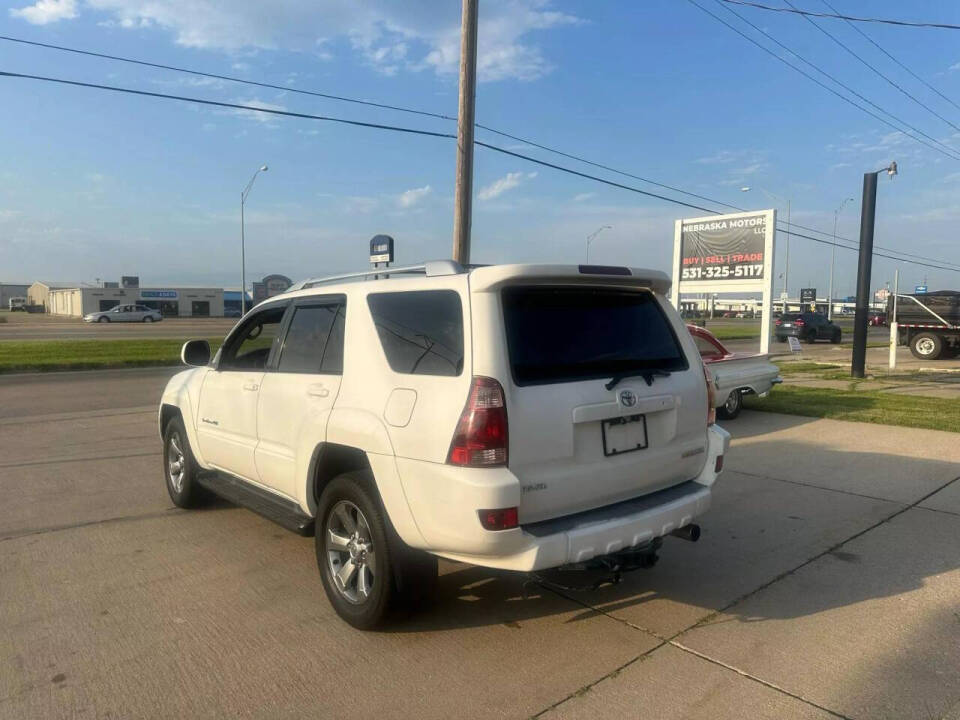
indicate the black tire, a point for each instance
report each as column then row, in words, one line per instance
column 187, row 493
column 837, row 336
column 781, row 339
column 398, row 576
column 810, row 337
column 732, row 407
column 926, row 346
column 103, row 318
column 147, row 319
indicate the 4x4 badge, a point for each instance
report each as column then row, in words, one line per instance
column 627, row 398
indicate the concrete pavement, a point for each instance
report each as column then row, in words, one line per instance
column 826, row 584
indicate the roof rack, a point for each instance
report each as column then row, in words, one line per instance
column 431, row 268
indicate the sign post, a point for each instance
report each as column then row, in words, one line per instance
column 727, row 254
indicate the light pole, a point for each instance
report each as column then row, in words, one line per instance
column 833, row 256
column 786, row 262
column 868, row 214
column 243, row 245
column 592, row 235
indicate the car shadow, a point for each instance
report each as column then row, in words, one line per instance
column 759, row 530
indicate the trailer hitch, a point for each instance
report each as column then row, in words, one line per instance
column 596, row 572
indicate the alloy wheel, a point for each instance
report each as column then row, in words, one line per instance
column 176, row 463
column 351, row 558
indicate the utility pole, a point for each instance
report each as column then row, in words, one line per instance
column 833, row 255
column 463, row 194
column 868, row 213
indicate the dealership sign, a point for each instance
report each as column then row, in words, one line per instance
column 158, row 294
column 726, row 254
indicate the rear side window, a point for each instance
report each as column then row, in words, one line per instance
column 559, row 335
column 707, row 349
column 314, row 340
column 421, row 332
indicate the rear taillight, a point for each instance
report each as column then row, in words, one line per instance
column 711, row 397
column 480, row 439
column 502, row 519
column 778, row 322
column 799, row 323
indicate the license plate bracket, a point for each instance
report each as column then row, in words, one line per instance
column 624, row 434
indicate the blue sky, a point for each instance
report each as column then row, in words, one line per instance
column 95, row 184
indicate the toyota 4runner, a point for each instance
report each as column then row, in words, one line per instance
column 522, row 417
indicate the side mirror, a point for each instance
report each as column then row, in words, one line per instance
column 195, row 353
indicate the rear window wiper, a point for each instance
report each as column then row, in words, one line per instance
column 647, row 375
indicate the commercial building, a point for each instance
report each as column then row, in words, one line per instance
column 170, row 301
column 9, row 290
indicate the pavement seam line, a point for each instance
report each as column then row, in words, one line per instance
column 707, row 618
column 56, row 461
column 749, row 676
column 90, row 523
column 761, row 476
column 67, row 417
column 672, row 639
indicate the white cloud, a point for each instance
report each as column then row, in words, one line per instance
column 390, row 36
column 409, row 198
column 582, row 197
column 502, row 185
column 46, row 11
column 253, row 114
column 954, row 67
column 360, row 205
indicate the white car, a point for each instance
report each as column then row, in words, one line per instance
column 522, row 417
column 125, row 313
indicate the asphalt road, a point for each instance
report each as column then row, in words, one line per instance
column 826, row 584
column 24, row 326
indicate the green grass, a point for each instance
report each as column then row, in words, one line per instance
column 50, row 355
column 797, row 368
column 862, row 406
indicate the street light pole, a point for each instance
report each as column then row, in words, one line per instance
column 833, row 256
column 592, row 235
column 868, row 213
column 463, row 190
column 243, row 244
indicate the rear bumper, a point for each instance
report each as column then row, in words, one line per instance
column 580, row 537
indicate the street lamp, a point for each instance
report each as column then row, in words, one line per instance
column 833, row 256
column 786, row 262
column 243, row 252
column 868, row 214
column 592, row 235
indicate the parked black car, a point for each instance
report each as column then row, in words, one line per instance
column 808, row 327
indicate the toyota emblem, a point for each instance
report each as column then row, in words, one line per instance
column 627, row 398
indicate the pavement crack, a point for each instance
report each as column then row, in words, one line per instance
column 90, row 523
column 58, row 460
column 754, row 678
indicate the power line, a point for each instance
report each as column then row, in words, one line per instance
column 948, row 151
column 428, row 133
column 884, row 51
column 875, row 70
column 426, row 113
column 848, row 18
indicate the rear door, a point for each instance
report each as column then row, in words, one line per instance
column 295, row 401
column 578, row 440
column 227, row 412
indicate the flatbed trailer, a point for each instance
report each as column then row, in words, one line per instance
column 929, row 323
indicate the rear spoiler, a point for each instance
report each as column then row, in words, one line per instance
column 493, row 277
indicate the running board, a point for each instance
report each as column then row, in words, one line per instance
column 281, row 511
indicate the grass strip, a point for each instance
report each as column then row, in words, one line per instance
column 52, row 355
column 862, row 406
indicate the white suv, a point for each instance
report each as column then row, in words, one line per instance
column 521, row 417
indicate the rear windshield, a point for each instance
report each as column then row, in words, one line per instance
column 791, row 318
column 559, row 335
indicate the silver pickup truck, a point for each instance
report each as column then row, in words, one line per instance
column 734, row 375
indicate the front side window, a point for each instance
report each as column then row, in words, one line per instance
column 314, row 340
column 421, row 332
column 249, row 348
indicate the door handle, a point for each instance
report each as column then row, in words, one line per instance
column 250, row 385
column 317, row 390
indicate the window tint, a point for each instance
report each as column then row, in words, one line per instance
column 314, row 340
column 567, row 334
column 250, row 347
column 421, row 332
